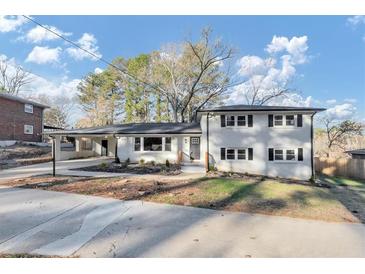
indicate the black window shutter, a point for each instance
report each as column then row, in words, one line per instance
column 250, row 153
column 299, row 120
column 223, row 153
column 250, row 121
column 271, row 154
column 300, row 154
column 271, row 120
column 223, row 120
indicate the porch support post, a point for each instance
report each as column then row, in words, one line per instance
column 53, row 157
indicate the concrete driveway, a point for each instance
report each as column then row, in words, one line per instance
column 54, row 223
column 62, row 167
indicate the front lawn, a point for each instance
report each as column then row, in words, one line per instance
column 341, row 201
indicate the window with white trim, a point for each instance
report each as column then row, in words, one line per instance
column 241, row 120
column 290, row 154
column 284, row 155
column 167, row 143
column 241, row 154
column 28, row 108
column 230, row 154
column 28, row 129
column 230, row 120
column 278, row 120
column 137, row 143
column 278, row 154
column 289, row 120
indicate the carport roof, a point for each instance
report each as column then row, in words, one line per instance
column 135, row 128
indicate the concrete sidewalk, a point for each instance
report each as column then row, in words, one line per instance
column 46, row 168
column 53, row 223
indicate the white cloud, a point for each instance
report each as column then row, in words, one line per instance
column 44, row 55
column 350, row 100
column 11, row 23
column 341, row 112
column 39, row 34
column 98, row 70
column 87, row 42
column 356, row 20
column 331, row 101
column 296, row 48
column 266, row 74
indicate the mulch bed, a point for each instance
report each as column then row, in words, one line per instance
column 173, row 169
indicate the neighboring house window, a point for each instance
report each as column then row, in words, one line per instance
column 230, row 120
column 152, row 144
column 28, row 129
column 278, row 155
column 137, row 143
column 28, row 108
column 168, row 144
column 230, row 154
column 241, row 154
column 241, row 121
column 289, row 120
column 278, row 120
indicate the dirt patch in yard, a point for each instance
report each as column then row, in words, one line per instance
column 22, row 154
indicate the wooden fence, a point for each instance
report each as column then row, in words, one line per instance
column 346, row 167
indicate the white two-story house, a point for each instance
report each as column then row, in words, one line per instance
column 264, row 140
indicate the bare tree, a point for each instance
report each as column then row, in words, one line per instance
column 190, row 75
column 338, row 132
column 12, row 79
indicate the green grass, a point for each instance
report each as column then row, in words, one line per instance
column 266, row 196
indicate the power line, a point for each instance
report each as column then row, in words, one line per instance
column 125, row 71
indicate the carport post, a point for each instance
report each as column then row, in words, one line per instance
column 54, row 156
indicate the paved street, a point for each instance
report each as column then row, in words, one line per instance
column 54, row 223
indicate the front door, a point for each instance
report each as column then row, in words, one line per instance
column 104, row 147
column 194, row 148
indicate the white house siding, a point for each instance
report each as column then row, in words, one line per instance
column 260, row 137
column 126, row 150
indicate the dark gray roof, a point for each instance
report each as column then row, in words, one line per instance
column 22, row 100
column 259, row 108
column 360, row 151
column 136, row 128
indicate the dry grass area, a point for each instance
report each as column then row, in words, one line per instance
column 343, row 200
column 21, row 154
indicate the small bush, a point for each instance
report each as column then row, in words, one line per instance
column 153, row 163
column 167, row 163
column 141, row 161
column 128, row 161
column 117, row 160
column 103, row 165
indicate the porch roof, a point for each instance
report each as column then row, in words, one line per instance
column 259, row 108
column 135, row 128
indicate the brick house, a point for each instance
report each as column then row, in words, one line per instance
column 20, row 119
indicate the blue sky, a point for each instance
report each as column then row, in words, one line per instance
column 332, row 74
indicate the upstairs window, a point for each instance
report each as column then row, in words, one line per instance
column 241, row 154
column 241, row 121
column 230, row 154
column 28, row 108
column 168, row 144
column 289, row 120
column 230, row 121
column 137, row 143
column 290, row 155
column 279, row 155
column 278, row 120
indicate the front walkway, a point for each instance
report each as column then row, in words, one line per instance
column 54, row 223
column 46, row 168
